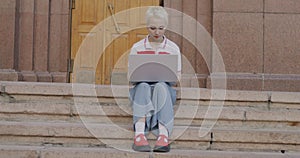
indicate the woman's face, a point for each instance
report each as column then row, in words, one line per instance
column 156, row 29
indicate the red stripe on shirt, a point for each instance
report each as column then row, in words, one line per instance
column 146, row 52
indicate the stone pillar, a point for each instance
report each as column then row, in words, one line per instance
column 7, row 44
column 26, row 40
column 35, row 40
column 59, row 50
column 203, row 41
column 196, row 62
column 41, row 40
column 188, row 49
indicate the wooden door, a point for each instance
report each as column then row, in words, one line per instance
column 117, row 29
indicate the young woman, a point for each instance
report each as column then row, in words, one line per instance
column 153, row 102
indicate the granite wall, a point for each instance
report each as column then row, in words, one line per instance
column 258, row 40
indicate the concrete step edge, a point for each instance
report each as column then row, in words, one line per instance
column 69, row 89
column 181, row 133
column 181, row 112
column 68, row 152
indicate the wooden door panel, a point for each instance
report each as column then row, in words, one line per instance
column 88, row 14
column 113, row 60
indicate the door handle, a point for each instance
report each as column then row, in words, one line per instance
column 111, row 10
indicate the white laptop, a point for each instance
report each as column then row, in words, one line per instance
column 152, row 67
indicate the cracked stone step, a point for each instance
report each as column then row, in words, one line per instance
column 71, row 152
column 254, row 138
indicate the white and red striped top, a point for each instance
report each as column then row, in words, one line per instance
column 166, row 47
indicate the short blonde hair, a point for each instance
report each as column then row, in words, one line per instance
column 157, row 12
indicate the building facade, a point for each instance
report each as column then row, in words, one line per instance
column 258, row 41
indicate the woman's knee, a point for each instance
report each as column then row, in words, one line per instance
column 143, row 86
column 161, row 86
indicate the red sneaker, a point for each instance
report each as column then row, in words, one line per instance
column 141, row 144
column 162, row 144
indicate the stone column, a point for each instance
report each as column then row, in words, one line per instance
column 41, row 41
column 59, row 50
column 193, row 38
column 7, row 44
column 188, row 49
column 35, row 41
column 26, row 40
column 203, row 41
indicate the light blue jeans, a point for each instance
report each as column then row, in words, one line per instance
column 155, row 102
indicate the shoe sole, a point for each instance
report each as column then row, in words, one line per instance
column 161, row 148
column 145, row 148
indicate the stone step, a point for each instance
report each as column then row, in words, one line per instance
column 56, row 102
column 51, row 115
column 185, row 114
column 183, row 137
column 112, row 91
column 72, row 152
column 220, row 123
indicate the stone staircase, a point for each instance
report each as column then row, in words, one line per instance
column 51, row 120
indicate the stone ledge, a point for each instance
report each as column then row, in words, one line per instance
column 282, row 115
column 55, row 152
column 37, row 88
column 184, row 114
column 36, row 108
column 276, row 148
column 285, row 97
column 256, row 82
column 185, row 111
column 88, row 130
column 259, row 136
column 19, row 151
column 180, row 133
column 90, row 90
column 8, row 75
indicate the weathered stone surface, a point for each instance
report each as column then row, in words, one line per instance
column 279, row 6
column 7, row 31
column 45, row 114
column 274, row 115
column 257, row 136
column 36, row 108
column 19, row 152
column 285, row 97
column 281, row 44
column 239, row 38
column 71, row 152
column 239, row 5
